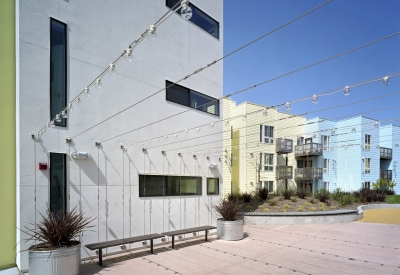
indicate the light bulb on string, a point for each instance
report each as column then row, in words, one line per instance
column 111, row 69
column 376, row 124
column 288, row 108
column 385, row 81
column 86, row 92
column 315, row 99
column 128, row 54
column 151, row 33
column 346, row 90
column 186, row 11
column 64, row 114
column 69, row 107
column 265, row 112
column 78, row 101
column 52, row 124
column 58, row 118
column 98, row 83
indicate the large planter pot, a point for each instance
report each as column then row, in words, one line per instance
column 64, row 261
column 230, row 230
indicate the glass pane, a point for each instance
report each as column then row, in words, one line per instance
column 177, row 94
column 213, row 186
column 190, row 186
column 150, row 186
column 58, row 196
column 58, row 69
column 204, row 103
column 172, row 186
column 204, row 21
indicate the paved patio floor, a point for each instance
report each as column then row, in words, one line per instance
column 346, row 248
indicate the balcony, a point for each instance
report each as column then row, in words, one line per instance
column 308, row 149
column 284, row 172
column 309, row 173
column 386, row 153
column 386, row 174
column 284, row 146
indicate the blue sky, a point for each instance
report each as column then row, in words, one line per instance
column 337, row 27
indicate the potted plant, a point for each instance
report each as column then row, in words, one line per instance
column 229, row 227
column 58, row 250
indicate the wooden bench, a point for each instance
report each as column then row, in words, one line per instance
column 186, row 231
column 106, row 244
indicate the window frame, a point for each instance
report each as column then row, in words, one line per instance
column 366, row 184
column 267, row 182
column 194, row 9
column 367, row 142
column 326, row 169
column 142, row 194
column 367, row 166
column 264, row 130
column 63, row 122
column 63, row 208
column 214, row 101
column 262, row 162
column 208, row 193
column 326, row 185
column 325, row 145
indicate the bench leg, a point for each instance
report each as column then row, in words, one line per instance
column 151, row 246
column 206, row 234
column 173, row 243
column 100, row 257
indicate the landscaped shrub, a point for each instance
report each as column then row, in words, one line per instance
column 308, row 203
column 333, row 207
column 287, row 193
column 390, row 192
column 300, row 209
column 311, row 200
column 286, row 206
column 262, row 194
column 346, row 199
column 272, row 203
column 302, row 194
column 227, row 209
column 266, row 210
column 322, row 195
column 233, row 197
column 368, row 195
column 337, row 194
column 383, row 184
column 313, row 209
column 293, row 199
column 246, row 196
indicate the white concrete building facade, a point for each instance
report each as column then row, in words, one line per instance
column 128, row 190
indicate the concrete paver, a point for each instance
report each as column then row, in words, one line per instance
column 348, row 248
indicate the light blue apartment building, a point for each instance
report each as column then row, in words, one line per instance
column 348, row 153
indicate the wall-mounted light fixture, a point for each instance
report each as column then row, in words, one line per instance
column 80, row 155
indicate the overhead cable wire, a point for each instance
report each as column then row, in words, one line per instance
column 208, row 65
column 288, row 117
column 248, row 88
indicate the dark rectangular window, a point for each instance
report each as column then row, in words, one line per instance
column 212, row 186
column 199, row 17
column 153, row 186
column 58, row 70
column 58, row 186
column 193, row 99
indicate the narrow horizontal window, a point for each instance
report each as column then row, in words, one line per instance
column 199, row 17
column 155, row 185
column 184, row 96
column 212, row 186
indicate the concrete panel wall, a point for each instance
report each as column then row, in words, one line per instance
column 106, row 186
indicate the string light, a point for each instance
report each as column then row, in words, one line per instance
column 265, row 112
column 52, row 124
column 347, row 90
column 151, row 34
column 315, row 99
column 78, row 101
column 86, row 92
column 58, row 118
column 112, row 69
column 186, row 11
column 64, row 114
column 128, row 54
column 288, row 108
column 385, row 81
column 98, row 83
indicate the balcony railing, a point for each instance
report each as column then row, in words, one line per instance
column 386, row 153
column 386, row 174
column 308, row 149
column 284, row 146
column 309, row 173
column 284, row 172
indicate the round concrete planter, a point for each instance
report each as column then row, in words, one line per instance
column 230, row 230
column 55, row 262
